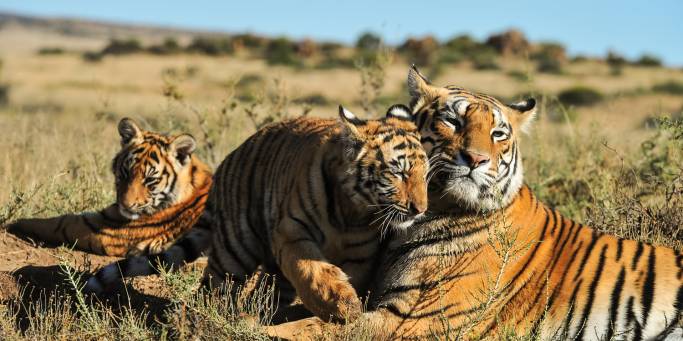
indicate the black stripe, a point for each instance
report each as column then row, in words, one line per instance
column 589, row 249
column 636, row 256
column 570, row 313
column 647, row 296
column 591, row 292
column 614, row 306
column 536, row 246
column 620, row 247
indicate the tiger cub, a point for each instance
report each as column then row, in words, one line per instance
column 307, row 198
column 161, row 189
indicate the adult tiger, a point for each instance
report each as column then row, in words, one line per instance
column 161, row 189
column 308, row 198
column 490, row 258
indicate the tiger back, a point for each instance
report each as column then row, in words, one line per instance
column 490, row 258
column 161, row 190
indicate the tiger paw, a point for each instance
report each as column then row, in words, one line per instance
column 332, row 298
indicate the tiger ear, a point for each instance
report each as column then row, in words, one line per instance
column 526, row 112
column 418, row 85
column 350, row 121
column 183, row 145
column 400, row 112
column 129, row 131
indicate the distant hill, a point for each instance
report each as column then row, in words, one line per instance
column 95, row 29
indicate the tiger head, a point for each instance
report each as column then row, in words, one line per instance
column 152, row 171
column 472, row 141
column 388, row 165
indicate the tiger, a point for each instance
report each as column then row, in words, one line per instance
column 161, row 189
column 490, row 258
column 309, row 199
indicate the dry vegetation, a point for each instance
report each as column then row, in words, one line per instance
column 602, row 158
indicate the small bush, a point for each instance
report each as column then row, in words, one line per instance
column 329, row 48
column 4, row 94
column 281, row 51
column 44, row 51
column 484, row 60
column 92, row 56
column 249, row 41
column 212, row 46
column 333, row 62
column 368, row 41
column 420, row 51
column 519, row 75
column 669, row 87
column 648, row 60
column 314, row 99
column 482, row 56
column 580, row 96
column 550, row 57
column 549, row 65
column 616, row 62
column 119, row 47
column 462, row 43
column 450, row 56
column 168, row 46
column 579, row 58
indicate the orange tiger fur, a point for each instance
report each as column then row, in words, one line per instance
column 161, row 192
column 487, row 259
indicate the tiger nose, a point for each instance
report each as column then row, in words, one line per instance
column 474, row 159
column 416, row 208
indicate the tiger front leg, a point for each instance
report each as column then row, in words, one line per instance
column 323, row 287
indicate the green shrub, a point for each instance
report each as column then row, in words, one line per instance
column 168, row 46
column 580, row 96
column 212, row 46
column 484, row 59
column 462, row 43
column 4, row 94
column 420, row 51
column 368, row 41
column 281, row 51
column 649, row 61
column 250, row 41
column 550, row 57
column 329, row 48
column 669, row 87
column 314, row 99
column 519, row 75
column 579, row 58
column 121, row 46
column 549, row 65
column 50, row 51
column 616, row 62
column 92, row 56
column 450, row 56
column 482, row 56
column 334, row 62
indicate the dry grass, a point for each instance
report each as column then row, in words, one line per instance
column 58, row 135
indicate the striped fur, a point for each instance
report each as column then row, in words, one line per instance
column 306, row 198
column 161, row 191
column 473, row 269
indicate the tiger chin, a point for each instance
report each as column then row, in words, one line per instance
column 161, row 188
column 307, row 199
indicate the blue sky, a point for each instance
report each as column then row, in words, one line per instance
column 587, row 27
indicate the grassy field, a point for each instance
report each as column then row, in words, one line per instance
column 610, row 163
